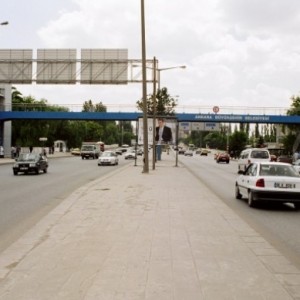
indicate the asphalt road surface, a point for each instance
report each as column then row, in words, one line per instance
column 277, row 223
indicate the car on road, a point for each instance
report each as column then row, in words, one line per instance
column 130, row 155
column 181, row 150
column 296, row 165
column 251, row 155
column 30, row 163
column 75, row 151
column 188, row 153
column 285, row 158
column 1, row 152
column 119, row 151
column 108, row 158
column 269, row 182
column 223, row 157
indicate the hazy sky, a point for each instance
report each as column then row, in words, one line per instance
column 237, row 52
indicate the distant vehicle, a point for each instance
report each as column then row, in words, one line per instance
column 285, row 158
column 296, row 165
column 204, row 152
column 270, row 182
column 75, row 151
column 119, row 151
column 181, row 150
column 223, row 157
column 108, row 158
column 1, row 152
column 90, row 151
column 30, row 162
column 251, row 155
column 130, row 155
column 188, row 153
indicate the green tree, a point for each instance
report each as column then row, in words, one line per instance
column 164, row 104
column 237, row 142
column 215, row 140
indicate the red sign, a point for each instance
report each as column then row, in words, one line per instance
column 216, row 109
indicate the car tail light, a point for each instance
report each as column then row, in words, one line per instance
column 260, row 182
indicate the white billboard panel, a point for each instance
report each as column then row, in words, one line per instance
column 16, row 66
column 168, row 122
column 104, row 66
column 205, row 126
column 185, row 126
column 56, row 66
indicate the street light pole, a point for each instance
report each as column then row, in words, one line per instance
column 145, row 120
column 165, row 69
column 154, row 115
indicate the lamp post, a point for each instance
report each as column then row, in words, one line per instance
column 145, row 120
column 165, row 69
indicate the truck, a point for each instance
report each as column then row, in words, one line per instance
column 91, row 150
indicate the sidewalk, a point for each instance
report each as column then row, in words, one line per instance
column 130, row 235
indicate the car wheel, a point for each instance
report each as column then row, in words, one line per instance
column 45, row 170
column 227, row 162
column 237, row 192
column 15, row 172
column 37, row 171
column 82, row 157
column 251, row 201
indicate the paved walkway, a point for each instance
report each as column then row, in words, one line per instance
column 161, row 235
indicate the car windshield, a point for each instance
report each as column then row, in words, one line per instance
column 106, row 154
column 259, row 154
column 27, row 157
column 278, row 170
column 87, row 148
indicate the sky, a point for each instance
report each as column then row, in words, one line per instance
column 237, row 53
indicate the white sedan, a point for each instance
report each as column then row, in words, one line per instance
column 108, row 158
column 131, row 155
column 269, row 181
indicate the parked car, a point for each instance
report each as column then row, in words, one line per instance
column 130, row 155
column 30, row 162
column 223, row 157
column 270, row 182
column 108, row 158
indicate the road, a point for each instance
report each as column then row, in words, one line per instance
column 25, row 199
column 277, row 223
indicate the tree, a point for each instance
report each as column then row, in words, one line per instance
column 88, row 106
column 237, row 142
column 164, row 104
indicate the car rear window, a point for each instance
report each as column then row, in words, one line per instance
column 259, row 154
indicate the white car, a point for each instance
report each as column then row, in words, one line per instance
column 130, row 155
column 108, row 158
column 269, row 181
column 296, row 165
column 1, row 152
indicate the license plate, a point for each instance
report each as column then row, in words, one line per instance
column 23, row 168
column 282, row 185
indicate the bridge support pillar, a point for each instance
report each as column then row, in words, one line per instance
column 5, row 127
